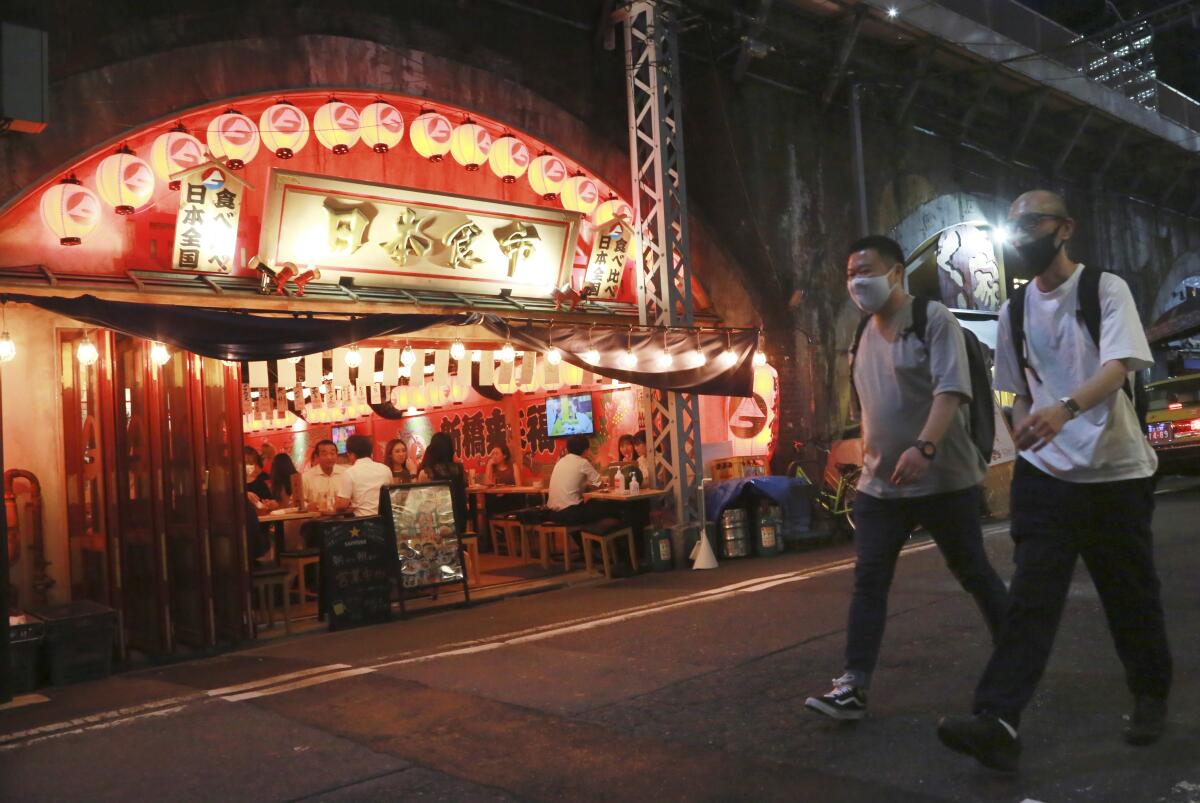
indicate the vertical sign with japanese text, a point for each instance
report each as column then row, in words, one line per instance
column 606, row 265
column 210, row 202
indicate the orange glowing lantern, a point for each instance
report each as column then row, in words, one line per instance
column 174, row 152
column 125, row 182
column 612, row 209
column 470, row 144
column 233, row 136
column 430, row 135
column 336, row 125
column 580, row 194
column 70, row 210
column 381, row 126
column 546, row 175
column 284, row 129
column 508, row 158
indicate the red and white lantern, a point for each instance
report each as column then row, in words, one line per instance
column 580, row 194
column 70, row 210
column 125, row 182
column 470, row 144
column 336, row 125
column 233, row 136
column 174, row 152
column 381, row 126
column 430, row 135
column 546, row 175
column 612, row 209
column 508, row 158
column 284, row 129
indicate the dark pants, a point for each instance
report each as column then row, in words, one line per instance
column 584, row 513
column 881, row 528
column 1053, row 523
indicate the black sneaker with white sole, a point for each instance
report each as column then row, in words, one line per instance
column 844, row 701
column 986, row 739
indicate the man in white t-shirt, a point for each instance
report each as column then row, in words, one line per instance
column 323, row 478
column 1082, row 486
column 358, row 490
column 573, row 475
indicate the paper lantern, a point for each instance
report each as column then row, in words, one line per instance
column 470, row 144
column 70, row 210
column 430, row 135
column 546, row 175
column 284, row 129
column 174, row 152
column 508, row 158
column 232, row 136
column 124, row 181
column 381, row 126
column 612, row 209
column 579, row 194
column 8, row 349
column 336, row 125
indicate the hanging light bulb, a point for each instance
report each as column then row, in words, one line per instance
column 508, row 353
column 8, row 349
column 87, row 353
column 628, row 360
column 458, row 350
column 760, row 359
column 665, row 360
column 352, row 357
column 407, row 357
column 159, row 353
column 592, row 355
column 699, row 358
column 553, row 356
column 728, row 356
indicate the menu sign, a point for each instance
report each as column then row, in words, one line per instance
column 412, row 238
column 427, row 543
column 357, row 566
column 210, row 202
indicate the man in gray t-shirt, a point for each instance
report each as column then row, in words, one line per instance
column 920, row 466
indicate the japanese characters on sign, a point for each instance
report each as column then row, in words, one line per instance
column 606, row 264
column 412, row 238
column 210, row 202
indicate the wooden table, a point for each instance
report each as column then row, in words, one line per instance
column 279, row 520
column 639, row 515
column 481, row 517
column 625, row 496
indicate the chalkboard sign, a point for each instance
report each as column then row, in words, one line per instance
column 358, row 562
column 427, row 543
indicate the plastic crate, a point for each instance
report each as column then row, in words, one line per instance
column 78, row 641
column 24, row 650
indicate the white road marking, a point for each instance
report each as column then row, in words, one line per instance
column 300, row 684
column 93, row 719
column 98, row 726
column 254, row 684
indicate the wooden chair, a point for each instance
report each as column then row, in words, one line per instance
column 510, row 531
column 471, row 549
column 605, row 541
column 265, row 581
column 297, row 563
column 547, row 531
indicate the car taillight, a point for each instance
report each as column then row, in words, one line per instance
column 1187, row 427
column 1175, row 406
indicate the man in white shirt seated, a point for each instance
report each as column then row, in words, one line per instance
column 573, row 475
column 358, row 489
column 321, row 480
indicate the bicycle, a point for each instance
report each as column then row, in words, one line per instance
column 838, row 488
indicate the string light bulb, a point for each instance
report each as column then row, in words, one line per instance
column 728, row 356
column 352, row 357
column 665, row 360
column 591, row 356
column 159, row 353
column 628, row 360
column 699, row 358
column 8, row 349
column 407, row 357
column 87, row 353
column 553, row 355
column 508, row 353
column 458, row 350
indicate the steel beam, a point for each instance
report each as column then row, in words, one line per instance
column 914, row 86
column 847, row 49
column 1035, row 109
column 1070, row 146
column 981, row 94
column 1117, row 147
column 757, row 25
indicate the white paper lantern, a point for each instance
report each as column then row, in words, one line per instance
column 580, row 194
column 336, row 125
column 174, row 152
column 70, row 210
column 125, row 182
column 381, row 126
column 470, row 144
column 8, row 349
column 508, row 158
column 234, row 137
column 612, row 209
column 546, row 175
column 430, row 135
column 284, row 129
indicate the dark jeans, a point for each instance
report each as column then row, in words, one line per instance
column 1053, row 523
column 882, row 527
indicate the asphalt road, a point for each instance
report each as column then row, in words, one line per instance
column 677, row 686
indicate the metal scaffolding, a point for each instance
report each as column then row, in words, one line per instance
column 659, row 197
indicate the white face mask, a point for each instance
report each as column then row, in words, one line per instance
column 870, row 293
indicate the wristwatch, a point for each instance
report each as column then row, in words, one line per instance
column 928, row 449
column 1071, row 405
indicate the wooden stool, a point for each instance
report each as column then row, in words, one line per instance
column 296, row 563
column 471, row 548
column 548, row 530
column 265, row 581
column 605, row 541
column 510, row 531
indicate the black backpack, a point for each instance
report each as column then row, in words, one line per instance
column 1089, row 311
column 981, row 412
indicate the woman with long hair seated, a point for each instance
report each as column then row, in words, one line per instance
column 501, row 468
column 287, row 487
column 395, row 457
column 439, row 465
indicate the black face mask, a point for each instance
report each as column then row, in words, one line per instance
column 1035, row 256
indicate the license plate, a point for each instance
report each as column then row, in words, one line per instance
column 1159, row 433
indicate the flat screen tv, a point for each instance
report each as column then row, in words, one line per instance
column 339, row 436
column 569, row 415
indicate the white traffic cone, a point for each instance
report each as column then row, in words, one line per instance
column 702, row 555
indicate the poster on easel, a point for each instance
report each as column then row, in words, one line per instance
column 428, row 545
